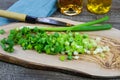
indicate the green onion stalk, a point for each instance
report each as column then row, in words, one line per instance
column 88, row 26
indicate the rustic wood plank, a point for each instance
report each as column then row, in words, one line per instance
column 47, row 62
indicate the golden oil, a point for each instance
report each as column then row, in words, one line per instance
column 70, row 7
column 99, row 6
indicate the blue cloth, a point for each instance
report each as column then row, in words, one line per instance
column 37, row 8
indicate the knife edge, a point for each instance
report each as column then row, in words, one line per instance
column 53, row 22
column 31, row 19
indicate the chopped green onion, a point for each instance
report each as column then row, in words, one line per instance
column 2, row 31
column 62, row 58
column 70, row 43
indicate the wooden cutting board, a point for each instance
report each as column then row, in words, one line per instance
column 32, row 59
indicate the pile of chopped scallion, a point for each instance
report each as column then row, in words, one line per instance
column 69, row 44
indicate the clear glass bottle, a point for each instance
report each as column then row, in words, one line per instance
column 70, row 7
column 99, row 6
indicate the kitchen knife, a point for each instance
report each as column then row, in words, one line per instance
column 31, row 19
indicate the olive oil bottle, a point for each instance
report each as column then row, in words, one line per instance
column 70, row 7
column 99, row 6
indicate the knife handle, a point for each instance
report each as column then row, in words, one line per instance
column 12, row 15
column 17, row 16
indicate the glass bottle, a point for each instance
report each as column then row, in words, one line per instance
column 70, row 7
column 99, row 6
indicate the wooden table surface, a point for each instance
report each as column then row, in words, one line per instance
column 14, row 72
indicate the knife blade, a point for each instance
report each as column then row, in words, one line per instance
column 31, row 19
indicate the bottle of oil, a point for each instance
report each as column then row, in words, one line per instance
column 99, row 6
column 70, row 7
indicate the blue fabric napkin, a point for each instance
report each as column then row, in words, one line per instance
column 37, row 8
